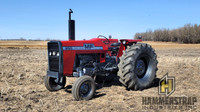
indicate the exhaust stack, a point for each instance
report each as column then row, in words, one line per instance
column 71, row 27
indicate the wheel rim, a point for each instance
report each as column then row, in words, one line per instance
column 140, row 68
column 146, row 70
column 85, row 89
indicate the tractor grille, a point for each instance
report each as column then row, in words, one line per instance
column 54, row 56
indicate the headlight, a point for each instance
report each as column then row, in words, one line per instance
column 124, row 42
column 54, row 53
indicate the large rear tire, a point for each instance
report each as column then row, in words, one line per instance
column 138, row 66
column 52, row 85
column 83, row 88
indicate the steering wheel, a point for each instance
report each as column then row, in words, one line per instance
column 105, row 38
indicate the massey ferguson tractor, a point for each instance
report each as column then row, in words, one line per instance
column 94, row 60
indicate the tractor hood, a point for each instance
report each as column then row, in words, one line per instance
column 92, row 44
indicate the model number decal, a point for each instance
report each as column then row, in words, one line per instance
column 85, row 47
column 89, row 46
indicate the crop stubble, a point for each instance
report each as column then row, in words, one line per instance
column 22, row 89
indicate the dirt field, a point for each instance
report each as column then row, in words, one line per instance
column 23, row 44
column 22, row 71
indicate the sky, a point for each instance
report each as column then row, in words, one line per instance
column 48, row 19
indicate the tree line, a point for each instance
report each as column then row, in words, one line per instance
column 187, row 34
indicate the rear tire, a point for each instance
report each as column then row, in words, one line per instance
column 83, row 88
column 138, row 66
column 51, row 85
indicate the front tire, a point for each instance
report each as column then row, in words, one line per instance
column 83, row 88
column 138, row 66
column 52, row 85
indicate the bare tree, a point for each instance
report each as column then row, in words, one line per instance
column 187, row 34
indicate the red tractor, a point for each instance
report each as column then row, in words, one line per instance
column 134, row 63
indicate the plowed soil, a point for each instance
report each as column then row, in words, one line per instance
column 22, row 70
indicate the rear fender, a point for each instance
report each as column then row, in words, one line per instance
column 124, row 43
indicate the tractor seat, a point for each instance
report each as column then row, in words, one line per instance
column 115, row 44
column 113, row 48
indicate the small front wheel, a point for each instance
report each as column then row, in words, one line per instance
column 52, row 84
column 83, row 88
